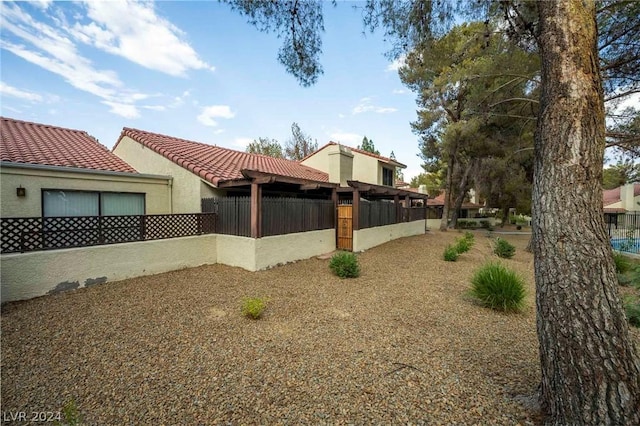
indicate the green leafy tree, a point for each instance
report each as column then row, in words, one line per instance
column 266, row 146
column 367, row 145
column 433, row 182
column 474, row 88
column 299, row 145
column 574, row 271
column 620, row 173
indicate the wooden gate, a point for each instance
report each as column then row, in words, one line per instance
column 345, row 227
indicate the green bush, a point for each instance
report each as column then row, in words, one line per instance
column 463, row 245
column 252, row 307
column 468, row 235
column 623, row 264
column 632, row 307
column 450, row 253
column 345, row 265
column 504, row 248
column 499, row 288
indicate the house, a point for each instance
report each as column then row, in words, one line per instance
column 343, row 163
column 203, row 171
column 622, row 199
column 49, row 171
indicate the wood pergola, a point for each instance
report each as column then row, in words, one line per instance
column 254, row 182
column 357, row 189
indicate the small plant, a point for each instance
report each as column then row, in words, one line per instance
column 632, row 308
column 463, row 245
column 450, row 253
column 468, row 235
column 623, row 264
column 345, row 265
column 70, row 414
column 252, row 307
column 499, row 288
column 504, row 248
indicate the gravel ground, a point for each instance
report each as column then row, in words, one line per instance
column 402, row 343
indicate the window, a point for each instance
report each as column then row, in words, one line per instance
column 58, row 202
column 387, row 177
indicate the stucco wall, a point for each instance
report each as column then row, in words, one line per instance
column 320, row 161
column 237, row 251
column 364, row 239
column 157, row 190
column 274, row 250
column 433, row 223
column 366, row 169
column 187, row 187
column 27, row 275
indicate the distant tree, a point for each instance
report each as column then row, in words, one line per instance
column 619, row 174
column 432, row 181
column 367, row 145
column 299, row 145
column 266, row 146
column 399, row 175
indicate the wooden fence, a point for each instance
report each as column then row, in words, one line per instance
column 380, row 213
column 279, row 215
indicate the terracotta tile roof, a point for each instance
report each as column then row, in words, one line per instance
column 379, row 157
column 611, row 196
column 216, row 164
column 34, row 143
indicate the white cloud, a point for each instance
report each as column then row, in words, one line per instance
column 366, row 105
column 6, row 90
column 242, row 142
column 396, row 64
column 218, row 131
column 128, row 29
column 399, row 91
column 134, row 31
column 352, row 139
column 210, row 113
column 341, row 116
column 123, row 110
column 155, row 107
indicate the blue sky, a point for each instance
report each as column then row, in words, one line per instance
column 198, row 71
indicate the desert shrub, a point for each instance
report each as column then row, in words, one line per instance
column 504, row 248
column 462, row 245
column 450, row 253
column 70, row 414
column 345, row 265
column 468, row 235
column 252, row 307
column 623, row 264
column 632, row 308
column 499, row 288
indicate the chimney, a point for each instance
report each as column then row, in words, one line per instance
column 340, row 165
column 422, row 189
column 627, row 198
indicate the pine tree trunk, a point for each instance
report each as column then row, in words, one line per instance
column 447, row 195
column 462, row 192
column 590, row 371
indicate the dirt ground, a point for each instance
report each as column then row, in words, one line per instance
column 403, row 343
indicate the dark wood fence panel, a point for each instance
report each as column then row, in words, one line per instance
column 234, row 214
column 289, row 215
column 30, row 234
column 377, row 213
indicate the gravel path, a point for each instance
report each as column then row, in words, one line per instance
column 400, row 344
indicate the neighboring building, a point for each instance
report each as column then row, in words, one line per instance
column 343, row 163
column 622, row 199
column 51, row 171
column 205, row 171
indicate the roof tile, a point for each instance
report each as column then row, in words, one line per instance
column 216, row 164
column 34, row 143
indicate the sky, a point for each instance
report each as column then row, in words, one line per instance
column 198, row 71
